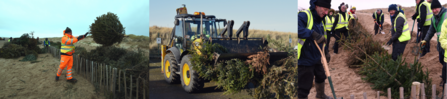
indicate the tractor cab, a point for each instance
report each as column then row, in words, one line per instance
column 189, row 27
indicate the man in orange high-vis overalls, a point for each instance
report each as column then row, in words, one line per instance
column 67, row 50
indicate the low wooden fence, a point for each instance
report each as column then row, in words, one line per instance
column 109, row 80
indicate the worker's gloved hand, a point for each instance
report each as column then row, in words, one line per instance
column 318, row 37
column 86, row 34
column 389, row 42
column 423, row 42
column 413, row 17
column 328, row 56
column 380, row 25
column 80, row 37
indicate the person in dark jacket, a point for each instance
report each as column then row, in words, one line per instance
column 309, row 57
column 440, row 15
column 399, row 31
column 340, row 27
column 424, row 15
column 378, row 20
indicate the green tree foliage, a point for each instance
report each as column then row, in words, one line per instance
column 25, row 45
column 378, row 67
column 107, row 29
column 403, row 72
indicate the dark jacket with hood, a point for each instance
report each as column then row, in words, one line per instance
column 432, row 29
column 310, row 54
column 343, row 14
column 399, row 26
column 423, row 13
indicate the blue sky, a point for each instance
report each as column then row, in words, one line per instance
column 364, row 4
column 262, row 14
column 48, row 18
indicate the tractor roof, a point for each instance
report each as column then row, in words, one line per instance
column 193, row 16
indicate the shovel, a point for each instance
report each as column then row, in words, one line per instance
column 323, row 57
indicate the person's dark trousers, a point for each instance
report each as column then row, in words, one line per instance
column 441, row 53
column 424, row 31
column 306, row 76
column 376, row 29
column 398, row 49
column 443, row 72
column 328, row 41
column 338, row 36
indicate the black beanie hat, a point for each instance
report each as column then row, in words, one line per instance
column 324, row 3
column 435, row 4
column 67, row 30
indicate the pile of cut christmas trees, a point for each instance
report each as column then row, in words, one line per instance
column 270, row 80
column 23, row 46
column 107, row 30
column 378, row 67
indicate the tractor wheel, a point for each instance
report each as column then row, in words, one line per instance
column 191, row 81
column 170, row 68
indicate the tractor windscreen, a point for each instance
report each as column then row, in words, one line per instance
column 193, row 28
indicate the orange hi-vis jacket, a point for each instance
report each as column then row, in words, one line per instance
column 67, row 44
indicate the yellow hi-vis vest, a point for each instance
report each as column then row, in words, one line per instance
column 342, row 22
column 405, row 31
column 67, row 48
column 329, row 23
column 379, row 18
column 310, row 23
column 429, row 13
column 444, row 32
column 9, row 40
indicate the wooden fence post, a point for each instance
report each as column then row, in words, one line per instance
column 423, row 91
column 389, row 93
column 137, row 89
column 433, row 91
column 107, row 77
column 91, row 73
column 378, row 94
column 125, row 84
column 114, row 82
column 364, row 95
column 413, row 92
column 119, row 80
column 130, row 87
column 445, row 91
column 401, row 92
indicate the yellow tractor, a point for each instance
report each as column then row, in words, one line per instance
column 189, row 34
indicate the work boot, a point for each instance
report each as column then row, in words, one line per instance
column 57, row 78
column 320, row 91
column 73, row 80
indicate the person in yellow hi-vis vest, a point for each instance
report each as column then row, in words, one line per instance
column 67, row 50
column 439, row 16
column 340, row 28
column 310, row 29
column 424, row 15
column 400, row 32
column 10, row 39
column 328, row 24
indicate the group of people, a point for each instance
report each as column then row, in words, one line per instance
column 320, row 22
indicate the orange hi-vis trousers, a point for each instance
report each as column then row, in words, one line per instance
column 65, row 61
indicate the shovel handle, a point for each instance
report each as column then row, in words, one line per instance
column 324, row 60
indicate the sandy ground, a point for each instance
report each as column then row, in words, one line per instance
column 22, row 80
column 25, row 80
column 347, row 82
